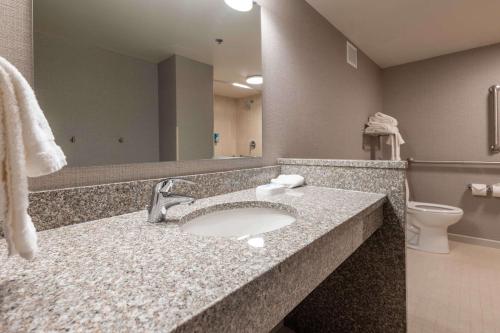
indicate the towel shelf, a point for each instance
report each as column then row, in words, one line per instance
column 495, row 146
column 377, row 134
column 411, row 160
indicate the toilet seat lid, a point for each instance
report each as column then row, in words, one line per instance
column 434, row 208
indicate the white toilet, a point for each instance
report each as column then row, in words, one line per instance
column 427, row 226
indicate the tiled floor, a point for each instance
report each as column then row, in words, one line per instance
column 454, row 293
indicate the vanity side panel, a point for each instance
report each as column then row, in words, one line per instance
column 367, row 293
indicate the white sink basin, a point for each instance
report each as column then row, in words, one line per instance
column 238, row 222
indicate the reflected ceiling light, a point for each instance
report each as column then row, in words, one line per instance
column 255, row 79
column 240, row 5
column 239, row 85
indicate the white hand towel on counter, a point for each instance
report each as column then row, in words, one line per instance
column 289, row 181
column 27, row 148
column 381, row 123
column 269, row 190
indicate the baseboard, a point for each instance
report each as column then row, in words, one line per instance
column 474, row 240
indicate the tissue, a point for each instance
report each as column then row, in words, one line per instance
column 480, row 190
column 495, row 190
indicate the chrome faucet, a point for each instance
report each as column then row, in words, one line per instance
column 164, row 197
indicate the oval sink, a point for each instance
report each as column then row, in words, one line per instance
column 239, row 222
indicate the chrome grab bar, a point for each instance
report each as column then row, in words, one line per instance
column 411, row 160
column 495, row 147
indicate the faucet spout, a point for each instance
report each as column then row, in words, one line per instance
column 164, row 197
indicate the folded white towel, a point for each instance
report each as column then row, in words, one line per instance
column 383, row 118
column 289, row 181
column 27, row 148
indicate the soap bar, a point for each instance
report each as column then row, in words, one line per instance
column 270, row 189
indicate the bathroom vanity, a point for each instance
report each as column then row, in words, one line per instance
column 131, row 103
column 125, row 274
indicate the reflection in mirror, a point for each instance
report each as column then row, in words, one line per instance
column 127, row 81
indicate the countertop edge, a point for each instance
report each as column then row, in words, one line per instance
column 190, row 323
column 374, row 164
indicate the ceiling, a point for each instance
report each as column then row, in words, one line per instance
column 394, row 32
column 155, row 31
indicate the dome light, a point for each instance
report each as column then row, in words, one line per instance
column 255, row 79
column 240, row 5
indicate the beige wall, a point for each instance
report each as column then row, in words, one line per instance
column 238, row 121
column 249, row 125
column 15, row 34
column 225, row 125
column 314, row 103
column 442, row 106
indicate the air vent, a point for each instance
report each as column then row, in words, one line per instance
column 352, row 55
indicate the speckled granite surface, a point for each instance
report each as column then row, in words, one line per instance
column 56, row 208
column 123, row 274
column 374, row 164
column 367, row 293
column 375, row 178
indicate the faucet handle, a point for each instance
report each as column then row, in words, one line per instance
column 169, row 183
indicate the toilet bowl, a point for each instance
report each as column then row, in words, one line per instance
column 428, row 224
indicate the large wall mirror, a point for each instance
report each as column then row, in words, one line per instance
column 129, row 81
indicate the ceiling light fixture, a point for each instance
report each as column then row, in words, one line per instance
column 239, row 85
column 255, row 79
column 240, row 5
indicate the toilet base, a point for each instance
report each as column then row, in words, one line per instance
column 433, row 240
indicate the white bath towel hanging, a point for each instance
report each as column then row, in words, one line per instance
column 43, row 155
column 27, row 148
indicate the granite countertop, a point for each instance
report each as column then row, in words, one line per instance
column 374, row 164
column 124, row 274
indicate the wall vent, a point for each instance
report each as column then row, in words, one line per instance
column 352, row 55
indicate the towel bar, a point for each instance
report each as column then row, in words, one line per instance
column 495, row 147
